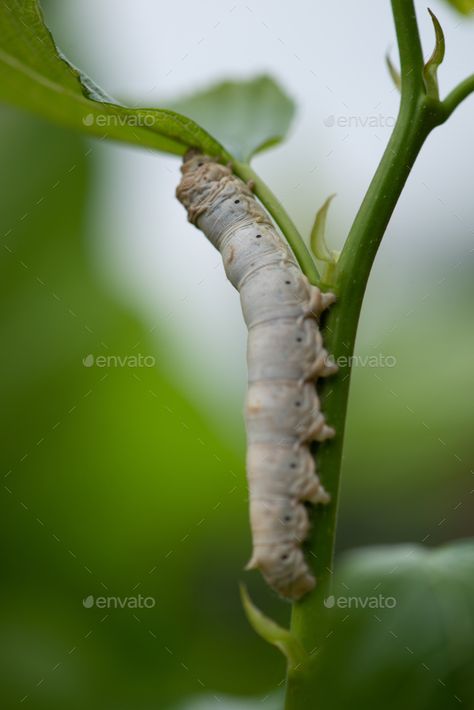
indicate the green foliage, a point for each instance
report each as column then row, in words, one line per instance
column 466, row 7
column 245, row 116
column 34, row 75
column 398, row 630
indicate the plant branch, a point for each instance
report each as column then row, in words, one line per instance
column 418, row 115
column 458, row 94
column 281, row 217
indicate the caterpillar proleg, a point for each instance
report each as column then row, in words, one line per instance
column 285, row 355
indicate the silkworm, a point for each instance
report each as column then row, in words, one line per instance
column 285, row 355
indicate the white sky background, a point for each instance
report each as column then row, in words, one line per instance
column 330, row 58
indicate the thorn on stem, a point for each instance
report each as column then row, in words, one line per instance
column 430, row 70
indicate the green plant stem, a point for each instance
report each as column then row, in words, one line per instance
column 279, row 214
column 418, row 115
column 340, row 333
column 458, row 94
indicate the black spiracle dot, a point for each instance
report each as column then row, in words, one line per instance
column 299, row 339
column 236, row 202
column 287, row 518
column 298, row 404
column 258, row 236
column 292, row 465
column 284, row 557
column 287, row 282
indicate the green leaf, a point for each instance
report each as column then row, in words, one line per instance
column 430, row 70
column 35, row 76
column 272, row 632
column 463, row 6
column 245, row 116
column 399, row 630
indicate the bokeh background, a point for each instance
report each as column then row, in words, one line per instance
column 123, row 480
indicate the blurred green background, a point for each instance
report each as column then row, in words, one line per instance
column 121, row 480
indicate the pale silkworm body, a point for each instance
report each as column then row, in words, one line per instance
column 285, row 356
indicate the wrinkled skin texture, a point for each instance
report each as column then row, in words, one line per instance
column 285, row 355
